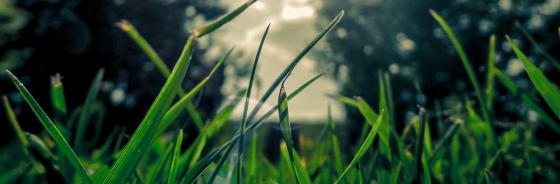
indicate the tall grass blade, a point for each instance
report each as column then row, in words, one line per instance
column 545, row 87
column 222, row 20
column 419, row 148
column 466, row 63
column 85, row 114
column 491, row 72
column 364, row 147
column 51, row 129
column 173, row 167
column 241, row 145
column 145, row 133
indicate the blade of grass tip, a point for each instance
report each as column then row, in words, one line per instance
column 174, row 158
column 420, row 145
column 547, row 89
column 212, row 26
column 14, row 122
column 51, row 129
column 85, row 114
column 491, row 72
column 58, row 98
column 176, row 108
column 466, row 63
column 363, row 148
column 241, row 146
column 229, row 145
column 294, row 62
column 528, row 100
column 146, row 132
column 554, row 62
column 145, row 46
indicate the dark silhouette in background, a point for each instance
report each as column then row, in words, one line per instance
column 77, row 38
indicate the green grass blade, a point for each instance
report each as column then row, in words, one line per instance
column 146, row 132
column 553, row 61
column 466, row 63
column 222, row 20
column 85, row 114
column 51, row 129
column 364, row 147
column 14, row 122
column 491, row 72
column 241, row 145
column 252, row 160
column 545, row 87
column 164, row 70
column 173, row 167
column 419, row 148
column 178, row 107
column 528, row 100
column 292, row 65
column 285, row 128
column 145, row 46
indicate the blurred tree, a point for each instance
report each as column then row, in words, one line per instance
column 401, row 38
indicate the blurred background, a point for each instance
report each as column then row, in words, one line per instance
column 397, row 38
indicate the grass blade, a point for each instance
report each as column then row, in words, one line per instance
column 419, row 148
column 545, row 87
column 466, row 63
column 145, row 133
column 364, row 147
column 14, row 122
column 51, row 129
column 173, row 167
column 145, row 46
column 85, row 114
column 491, row 72
column 241, row 146
column 222, row 20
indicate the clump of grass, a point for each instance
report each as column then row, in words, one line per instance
column 467, row 150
